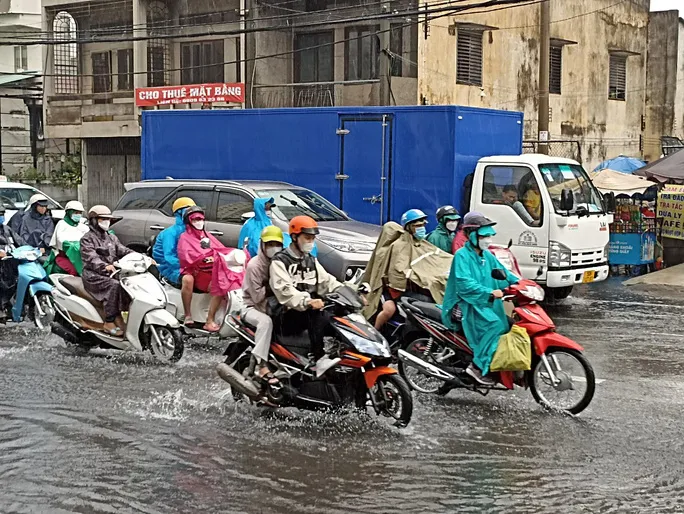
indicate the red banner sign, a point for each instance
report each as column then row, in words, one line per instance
column 191, row 94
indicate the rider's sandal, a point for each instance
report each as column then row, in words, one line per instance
column 212, row 327
column 268, row 378
column 116, row 332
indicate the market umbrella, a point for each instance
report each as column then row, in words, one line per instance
column 667, row 169
column 610, row 181
column 621, row 163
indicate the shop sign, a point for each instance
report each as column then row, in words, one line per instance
column 631, row 249
column 671, row 210
column 190, row 94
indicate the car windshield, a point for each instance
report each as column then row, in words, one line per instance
column 571, row 176
column 296, row 202
column 16, row 198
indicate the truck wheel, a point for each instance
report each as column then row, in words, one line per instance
column 556, row 294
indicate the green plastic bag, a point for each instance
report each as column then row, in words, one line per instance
column 514, row 352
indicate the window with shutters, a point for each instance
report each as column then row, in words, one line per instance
column 102, row 72
column 20, row 58
column 555, row 69
column 617, row 81
column 469, row 57
column 314, row 60
column 202, row 62
column 362, row 52
column 124, row 70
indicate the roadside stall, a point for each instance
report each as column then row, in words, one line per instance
column 633, row 231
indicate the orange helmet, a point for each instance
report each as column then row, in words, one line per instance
column 303, row 225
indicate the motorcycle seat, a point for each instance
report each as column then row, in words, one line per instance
column 299, row 343
column 430, row 310
column 75, row 286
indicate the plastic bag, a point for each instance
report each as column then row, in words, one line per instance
column 514, row 352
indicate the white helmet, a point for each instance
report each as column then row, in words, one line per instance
column 38, row 197
column 74, row 205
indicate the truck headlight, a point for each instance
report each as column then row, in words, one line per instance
column 606, row 249
column 348, row 246
column 560, row 256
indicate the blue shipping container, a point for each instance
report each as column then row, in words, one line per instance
column 372, row 162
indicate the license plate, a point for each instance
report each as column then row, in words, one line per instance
column 588, row 276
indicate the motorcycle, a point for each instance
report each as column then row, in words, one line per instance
column 434, row 359
column 80, row 317
column 359, row 372
column 32, row 281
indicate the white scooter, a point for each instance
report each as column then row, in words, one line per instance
column 200, row 303
column 80, row 317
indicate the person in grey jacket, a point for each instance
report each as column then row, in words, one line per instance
column 255, row 294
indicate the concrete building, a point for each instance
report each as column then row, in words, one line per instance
column 597, row 69
column 665, row 81
column 89, row 89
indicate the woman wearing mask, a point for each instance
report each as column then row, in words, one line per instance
column 472, row 288
column 99, row 251
column 443, row 236
column 255, row 293
column 66, row 242
column 202, row 256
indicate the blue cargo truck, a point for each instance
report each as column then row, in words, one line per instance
column 376, row 162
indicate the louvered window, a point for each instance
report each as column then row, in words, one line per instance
column 469, row 57
column 618, row 77
column 555, row 69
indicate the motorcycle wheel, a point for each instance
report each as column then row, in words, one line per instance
column 414, row 378
column 172, row 344
column 45, row 301
column 398, row 399
column 539, row 376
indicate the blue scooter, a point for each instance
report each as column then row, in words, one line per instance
column 32, row 280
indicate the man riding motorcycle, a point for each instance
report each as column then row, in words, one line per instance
column 35, row 225
column 165, row 253
column 472, row 288
column 299, row 283
column 9, row 241
column 443, row 236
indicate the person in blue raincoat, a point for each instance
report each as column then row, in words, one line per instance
column 250, row 234
column 165, row 253
column 472, row 288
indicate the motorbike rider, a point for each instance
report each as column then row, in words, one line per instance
column 65, row 243
column 461, row 238
column 165, row 252
column 99, row 251
column 299, row 283
column 35, row 225
column 472, row 288
column 443, row 236
column 255, row 293
column 9, row 241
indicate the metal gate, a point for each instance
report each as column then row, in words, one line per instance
column 557, row 148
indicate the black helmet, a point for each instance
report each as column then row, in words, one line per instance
column 447, row 210
column 474, row 221
column 191, row 210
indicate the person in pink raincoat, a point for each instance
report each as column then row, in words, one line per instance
column 204, row 257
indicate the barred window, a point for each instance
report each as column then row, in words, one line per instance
column 469, row 57
column 555, row 69
column 66, row 54
column 617, row 82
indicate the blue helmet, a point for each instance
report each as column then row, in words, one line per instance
column 412, row 215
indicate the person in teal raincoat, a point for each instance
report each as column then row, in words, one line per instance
column 472, row 288
column 443, row 236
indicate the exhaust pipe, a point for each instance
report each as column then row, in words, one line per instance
column 237, row 381
column 64, row 333
column 425, row 367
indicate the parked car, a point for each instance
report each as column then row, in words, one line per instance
column 344, row 245
column 15, row 196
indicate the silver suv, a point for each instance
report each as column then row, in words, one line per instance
column 344, row 245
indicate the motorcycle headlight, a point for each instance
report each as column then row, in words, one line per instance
column 560, row 256
column 535, row 293
column 366, row 346
column 348, row 246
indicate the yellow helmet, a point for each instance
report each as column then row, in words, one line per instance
column 271, row 233
column 182, row 203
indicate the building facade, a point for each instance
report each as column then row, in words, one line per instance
column 665, row 82
column 597, row 69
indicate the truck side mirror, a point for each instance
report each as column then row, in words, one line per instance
column 498, row 274
column 609, row 199
column 567, row 200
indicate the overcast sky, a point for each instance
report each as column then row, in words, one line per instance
column 666, row 5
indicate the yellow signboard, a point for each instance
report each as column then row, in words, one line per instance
column 671, row 210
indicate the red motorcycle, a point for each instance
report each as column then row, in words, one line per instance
column 433, row 359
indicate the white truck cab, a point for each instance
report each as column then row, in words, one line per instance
column 551, row 212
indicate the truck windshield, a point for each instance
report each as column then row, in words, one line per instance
column 296, row 202
column 571, row 176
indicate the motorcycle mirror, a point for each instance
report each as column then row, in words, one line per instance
column 510, row 243
column 498, row 274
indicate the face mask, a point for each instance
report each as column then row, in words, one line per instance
column 104, row 225
column 76, row 217
column 421, row 233
column 307, row 247
column 452, row 226
column 199, row 224
column 269, row 214
column 272, row 250
column 485, row 243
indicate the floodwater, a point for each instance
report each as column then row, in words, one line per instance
column 88, row 432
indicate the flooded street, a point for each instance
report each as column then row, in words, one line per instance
column 88, row 432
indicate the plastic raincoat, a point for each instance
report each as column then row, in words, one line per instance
column 251, row 230
column 469, row 286
column 66, row 243
column 165, row 250
column 35, row 229
column 441, row 237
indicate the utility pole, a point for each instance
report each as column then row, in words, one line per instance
column 544, row 59
column 384, row 60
